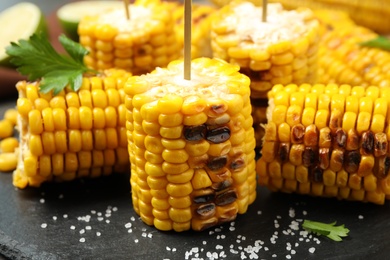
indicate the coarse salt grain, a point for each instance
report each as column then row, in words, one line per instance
column 43, row 225
column 136, row 241
column 98, row 234
column 54, row 218
column 65, row 216
column 72, row 227
column 128, row 225
column 61, row 196
column 82, row 240
column 42, row 201
column 88, row 227
column 312, row 250
column 360, row 217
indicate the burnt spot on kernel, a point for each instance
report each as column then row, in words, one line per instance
column 206, row 211
column 217, row 163
column 352, row 161
column 316, row 174
column 225, row 197
column 218, row 135
column 368, row 139
column 194, row 133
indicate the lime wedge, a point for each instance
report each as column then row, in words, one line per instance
column 69, row 15
column 19, row 22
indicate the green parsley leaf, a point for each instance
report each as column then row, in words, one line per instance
column 380, row 42
column 37, row 59
column 329, row 230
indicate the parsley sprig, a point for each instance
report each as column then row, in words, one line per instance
column 329, row 230
column 37, row 59
column 380, row 42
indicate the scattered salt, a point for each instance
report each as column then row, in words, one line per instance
column 312, row 249
column 82, row 240
column 43, row 225
column 42, row 201
column 360, row 217
column 98, row 234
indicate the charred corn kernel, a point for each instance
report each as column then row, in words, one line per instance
column 343, row 153
column 80, row 131
column 131, row 44
column 196, row 147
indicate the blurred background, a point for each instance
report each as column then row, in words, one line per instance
column 46, row 6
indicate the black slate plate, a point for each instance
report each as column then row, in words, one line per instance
column 50, row 223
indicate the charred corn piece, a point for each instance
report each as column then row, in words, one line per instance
column 75, row 134
column 280, row 52
column 372, row 14
column 139, row 44
column 342, row 60
column 204, row 167
column 267, row 55
column 339, row 152
column 201, row 27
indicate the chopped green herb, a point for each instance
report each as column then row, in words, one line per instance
column 380, row 42
column 37, row 59
column 330, row 230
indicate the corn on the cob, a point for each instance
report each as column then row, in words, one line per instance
column 201, row 26
column 8, row 144
column 74, row 134
column 343, row 61
column 191, row 145
column 374, row 14
column 282, row 50
column 333, row 144
column 139, row 44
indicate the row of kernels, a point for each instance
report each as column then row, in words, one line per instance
column 298, row 179
column 75, row 141
column 42, row 168
column 8, row 144
column 84, row 118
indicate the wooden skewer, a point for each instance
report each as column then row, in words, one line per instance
column 264, row 11
column 126, row 2
column 187, row 38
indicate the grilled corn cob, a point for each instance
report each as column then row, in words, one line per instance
column 328, row 140
column 74, row 134
column 281, row 51
column 201, row 22
column 139, row 44
column 191, row 145
column 373, row 14
column 343, row 61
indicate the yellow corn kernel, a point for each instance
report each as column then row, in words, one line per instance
column 275, row 169
column 171, row 132
column 48, row 143
column 352, row 104
column 349, row 121
column 321, row 118
column 8, row 161
column 183, row 177
column 11, row 115
column 288, row 171
column 293, row 115
column 308, row 116
column 378, row 123
column 363, row 122
column 302, row 174
column 31, row 165
column 279, row 114
column 8, row 144
column 24, row 106
column 295, row 155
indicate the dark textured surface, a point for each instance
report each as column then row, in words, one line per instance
column 22, row 212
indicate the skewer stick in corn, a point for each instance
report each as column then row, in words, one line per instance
column 126, row 2
column 187, row 38
column 264, row 16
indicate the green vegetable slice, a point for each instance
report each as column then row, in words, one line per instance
column 380, row 42
column 329, row 230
